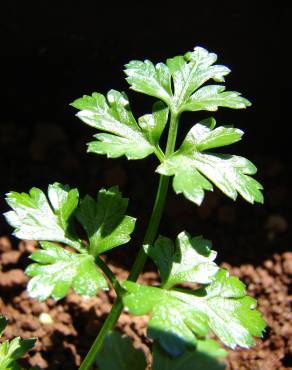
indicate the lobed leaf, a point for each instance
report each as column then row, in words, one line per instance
column 57, row 270
column 178, row 316
column 192, row 167
column 148, row 79
column 104, row 220
column 64, row 202
column 190, row 72
column 122, row 134
column 189, row 260
column 11, row 351
column 187, row 74
column 118, row 353
column 212, row 97
column 35, row 218
column 154, row 124
column 205, row 357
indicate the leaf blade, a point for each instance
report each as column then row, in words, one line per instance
column 191, row 71
column 154, row 124
column 105, row 221
column 148, row 79
column 189, row 260
column 179, row 316
column 194, row 169
column 125, row 355
column 34, row 218
column 212, row 97
column 113, row 115
column 57, row 270
column 205, row 357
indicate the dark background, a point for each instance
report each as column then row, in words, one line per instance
column 52, row 53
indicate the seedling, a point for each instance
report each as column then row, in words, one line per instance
column 180, row 318
column 12, row 351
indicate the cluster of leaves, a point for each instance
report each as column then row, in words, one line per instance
column 50, row 220
column 194, row 168
column 11, row 351
column 181, row 318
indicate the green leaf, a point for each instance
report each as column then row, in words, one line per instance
column 203, row 358
column 64, row 202
column 34, row 218
column 213, row 96
column 57, row 270
column 118, row 353
column 187, row 73
column 105, row 221
column 11, row 351
column 148, row 79
column 3, row 323
column 154, row 124
column 178, row 316
column 189, row 260
column 192, row 167
column 113, row 115
column 191, row 71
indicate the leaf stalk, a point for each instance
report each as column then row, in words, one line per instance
column 141, row 258
column 111, row 276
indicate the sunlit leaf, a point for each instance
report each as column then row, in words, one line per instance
column 122, row 134
column 57, row 270
column 178, row 316
column 35, row 217
column 188, row 260
column 148, row 79
column 193, row 168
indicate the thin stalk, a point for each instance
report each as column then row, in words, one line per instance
column 106, row 327
column 111, row 276
column 152, row 227
column 172, row 133
column 159, row 154
column 141, row 258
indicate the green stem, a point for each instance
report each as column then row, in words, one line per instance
column 106, row 327
column 111, row 276
column 152, row 227
column 172, row 133
column 141, row 258
column 159, row 154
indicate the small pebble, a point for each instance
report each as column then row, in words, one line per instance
column 45, row 318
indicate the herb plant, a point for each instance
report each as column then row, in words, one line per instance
column 180, row 318
column 11, row 351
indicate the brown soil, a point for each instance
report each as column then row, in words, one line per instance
column 75, row 320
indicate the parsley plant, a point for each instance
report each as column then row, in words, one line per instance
column 180, row 318
column 11, row 351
